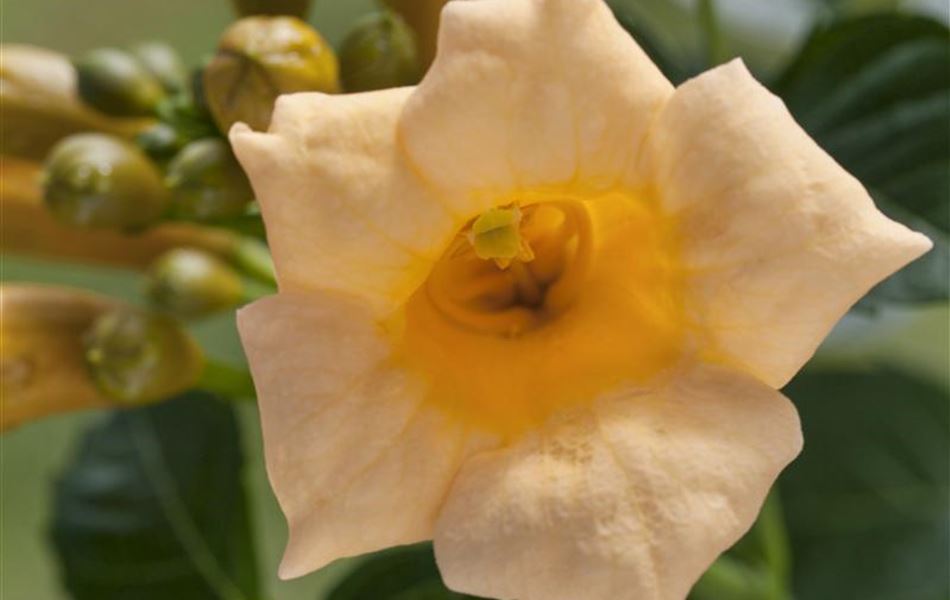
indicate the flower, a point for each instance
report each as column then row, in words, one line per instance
column 538, row 308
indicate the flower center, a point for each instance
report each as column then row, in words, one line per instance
column 548, row 302
column 512, row 269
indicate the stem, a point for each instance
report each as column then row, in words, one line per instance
column 253, row 258
column 716, row 51
column 731, row 578
column 227, row 381
column 773, row 537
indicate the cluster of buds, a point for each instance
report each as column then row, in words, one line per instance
column 131, row 147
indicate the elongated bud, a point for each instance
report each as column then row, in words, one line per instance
column 207, row 183
column 163, row 63
column 137, row 357
column 28, row 227
column 260, row 58
column 113, row 81
column 95, row 180
column 42, row 368
column 380, row 52
column 296, row 8
column 191, row 283
column 39, row 104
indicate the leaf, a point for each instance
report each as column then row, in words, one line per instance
column 866, row 502
column 152, row 507
column 875, row 93
column 673, row 66
column 404, row 573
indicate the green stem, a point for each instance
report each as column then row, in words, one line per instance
column 773, row 537
column 733, row 579
column 716, row 50
column 227, row 381
column 253, row 258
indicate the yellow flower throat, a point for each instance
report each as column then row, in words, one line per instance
column 544, row 305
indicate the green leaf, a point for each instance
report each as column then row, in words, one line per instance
column 673, row 65
column 152, row 507
column 866, row 502
column 875, row 93
column 404, row 573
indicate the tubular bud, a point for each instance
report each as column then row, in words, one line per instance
column 95, row 180
column 260, row 58
column 42, row 369
column 191, row 283
column 39, row 104
column 207, row 183
column 379, row 52
column 137, row 357
column 163, row 63
column 113, row 81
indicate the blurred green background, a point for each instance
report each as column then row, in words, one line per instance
column 870, row 375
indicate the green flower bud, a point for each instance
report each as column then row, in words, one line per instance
column 95, row 180
column 379, row 52
column 163, row 63
column 138, row 357
column 260, row 58
column 114, row 82
column 39, row 105
column 191, row 283
column 207, row 183
column 296, row 8
column 160, row 142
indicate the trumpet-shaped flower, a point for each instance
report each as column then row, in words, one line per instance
column 538, row 308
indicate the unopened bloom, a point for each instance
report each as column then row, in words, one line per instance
column 538, row 307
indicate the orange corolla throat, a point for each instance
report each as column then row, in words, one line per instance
column 513, row 269
column 543, row 305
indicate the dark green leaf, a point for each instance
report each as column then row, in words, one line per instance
column 405, row 573
column 866, row 502
column 922, row 280
column 875, row 93
column 152, row 507
column 675, row 68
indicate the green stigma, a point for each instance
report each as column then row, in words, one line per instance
column 496, row 235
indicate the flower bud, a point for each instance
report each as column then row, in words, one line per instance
column 191, row 283
column 42, row 369
column 380, row 52
column 96, row 180
column 39, row 104
column 137, row 357
column 163, row 63
column 207, row 182
column 29, row 228
column 260, row 58
column 114, row 82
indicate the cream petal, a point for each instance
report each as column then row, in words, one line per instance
column 779, row 240
column 343, row 210
column 357, row 461
column 529, row 93
column 631, row 500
